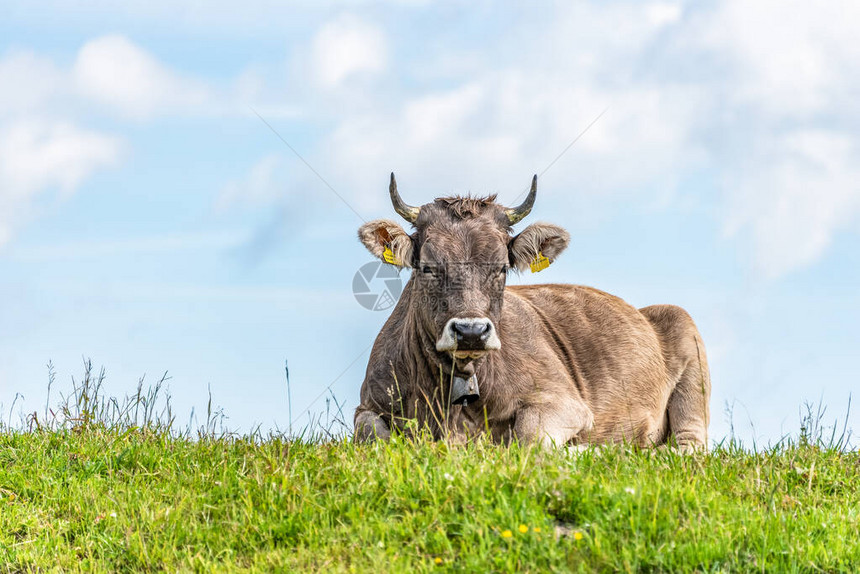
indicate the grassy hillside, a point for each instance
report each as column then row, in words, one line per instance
column 96, row 499
column 107, row 485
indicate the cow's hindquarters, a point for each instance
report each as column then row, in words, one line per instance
column 687, row 364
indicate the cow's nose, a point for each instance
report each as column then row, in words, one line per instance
column 468, row 334
column 472, row 333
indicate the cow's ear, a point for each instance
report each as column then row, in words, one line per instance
column 545, row 238
column 387, row 241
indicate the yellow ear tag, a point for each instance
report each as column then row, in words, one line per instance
column 539, row 263
column 389, row 257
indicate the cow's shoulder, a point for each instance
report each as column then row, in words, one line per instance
column 593, row 319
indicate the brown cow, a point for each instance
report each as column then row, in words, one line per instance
column 555, row 364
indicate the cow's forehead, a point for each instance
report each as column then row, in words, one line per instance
column 476, row 239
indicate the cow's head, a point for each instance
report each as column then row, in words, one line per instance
column 461, row 251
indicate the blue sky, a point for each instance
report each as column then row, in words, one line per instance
column 151, row 221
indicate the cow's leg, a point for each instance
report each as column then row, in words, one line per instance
column 553, row 425
column 687, row 407
column 369, row 426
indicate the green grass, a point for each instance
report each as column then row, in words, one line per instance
column 120, row 501
column 108, row 486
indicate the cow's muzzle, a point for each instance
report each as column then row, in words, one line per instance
column 464, row 391
column 468, row 334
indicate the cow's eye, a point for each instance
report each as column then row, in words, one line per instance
column 427, row 269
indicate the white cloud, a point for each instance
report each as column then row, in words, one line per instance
column 43, row 149
column 37, row 156
column 29, row 82
column 788, row 58
column 111, row 74
column 795, row 203
column 735, row 88
column 345, row 48
column 112, row 70
column 761, row 95
column 40, row 148
column 790, row 111
column 429, row 118
column 663, row 13
column 507, row 118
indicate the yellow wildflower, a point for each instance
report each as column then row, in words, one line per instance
column 437, row 560
column 537, row 529
column 577, row 535
column 507, row 533
column 524, row 528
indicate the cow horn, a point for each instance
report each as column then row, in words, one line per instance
column 516, row 214
column 406, row 211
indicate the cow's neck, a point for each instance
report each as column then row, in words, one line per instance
column 420, row 340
